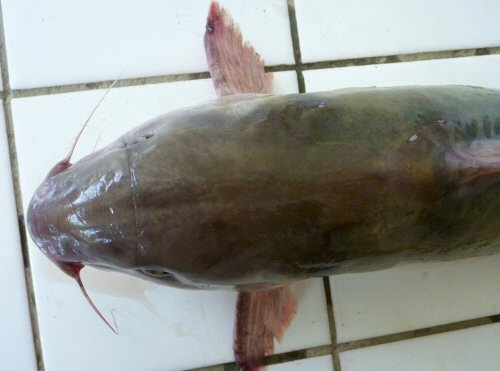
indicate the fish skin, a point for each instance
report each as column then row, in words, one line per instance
column 261, row 315
column 441, row 181
column 264, row 191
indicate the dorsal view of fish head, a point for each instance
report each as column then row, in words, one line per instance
column 157, row 202
column 253, row 191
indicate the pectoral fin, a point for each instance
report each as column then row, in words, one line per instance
column 235, row 67
column 261, row 316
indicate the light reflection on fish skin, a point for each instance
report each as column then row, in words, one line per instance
column 92, row 237
column 103, row 184
column 75, row 220
column 86, row 195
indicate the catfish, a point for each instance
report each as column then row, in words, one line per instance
column 253, row 191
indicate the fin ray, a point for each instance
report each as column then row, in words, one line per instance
column 235, row 67
column 261, row 316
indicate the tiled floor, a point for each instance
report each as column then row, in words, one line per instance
column 345, row 29
column 16, row 342
column 323, row 363
column 470, row 349
column 63, row 42
column 162, row 328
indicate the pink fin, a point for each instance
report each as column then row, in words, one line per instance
column 235, row 66
column 261, row 316
column 478, row 163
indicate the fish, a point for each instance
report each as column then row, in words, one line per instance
column 254, row 191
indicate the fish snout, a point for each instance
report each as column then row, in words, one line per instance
column 42, row 221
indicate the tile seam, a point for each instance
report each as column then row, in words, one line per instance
column 297, row 55
column 104, row 84
column 402, row 58
column 331, row 322
column 412, row 334
column 324, row 350
column 14, row 166
column 295, row 355
column 299, row 68
column 292, row 16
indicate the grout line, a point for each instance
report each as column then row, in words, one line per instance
column 358, row 344
column 299, row 68
column 331, row 323
column 398, row 58
column 296, row 45
column 334, row 349
column 439, row 329
column 31, row 92
column 295, row 355
column 302, row 89
column 9, row 125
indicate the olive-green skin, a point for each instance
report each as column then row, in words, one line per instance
column 265, row 190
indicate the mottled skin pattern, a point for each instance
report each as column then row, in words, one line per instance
column 264, row 190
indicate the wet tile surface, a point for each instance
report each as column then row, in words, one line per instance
column 16, row 337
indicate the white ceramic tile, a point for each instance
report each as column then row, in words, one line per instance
column 415, row 296
column 323, row 363
column 465, row 350
column 61, row 42
column 310, row 326
column 160, row 327
column 481, row 71
column 16, row 338
column 344, row 29
column 409, row 297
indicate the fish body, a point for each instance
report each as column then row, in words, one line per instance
column 253, row 192
column 264, row 190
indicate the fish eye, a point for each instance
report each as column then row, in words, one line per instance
column 154, row 272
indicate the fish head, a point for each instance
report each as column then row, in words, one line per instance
column 45, row 221
column 43, row 218
column 84, row 214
